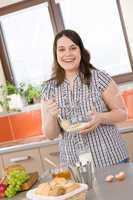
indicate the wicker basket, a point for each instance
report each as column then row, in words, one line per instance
column 77, row 194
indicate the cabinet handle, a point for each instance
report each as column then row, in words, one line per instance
column 50, row 162
column 17, row 159
column 54, row 153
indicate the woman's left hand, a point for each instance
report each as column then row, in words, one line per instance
column 93, row 124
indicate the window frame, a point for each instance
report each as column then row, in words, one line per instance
column 128, row 76
column 53, row 11
column 58, row 25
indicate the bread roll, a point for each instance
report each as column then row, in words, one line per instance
column 50, row 190
column 57, row 187
column 56, row 191
column 58, row 181
column 71, row 186
column 43, row 189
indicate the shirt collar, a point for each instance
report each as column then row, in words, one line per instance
column 75, row 78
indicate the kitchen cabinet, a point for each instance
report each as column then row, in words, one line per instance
column 26, row 124
column 20, row 125
column 30, row 159
column 52, row 153
column 128, row 137
column 6, row 133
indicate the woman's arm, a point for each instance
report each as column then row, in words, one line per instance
column 117, row 109
column 49, row 111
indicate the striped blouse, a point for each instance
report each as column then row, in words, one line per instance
column 105, row 142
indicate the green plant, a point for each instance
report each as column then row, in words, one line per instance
column 5, row 90
column 32, row 93
column 10, row 88
column 22, row 89
column 4, row 102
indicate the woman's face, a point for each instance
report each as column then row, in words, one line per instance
column 68, row 54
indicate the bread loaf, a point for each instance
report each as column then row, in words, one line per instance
column 56, row 187
column 69, row 187
column 56, row 191
column 43, row 189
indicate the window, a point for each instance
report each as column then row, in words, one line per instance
column 29, row 38
column 27, row 31
column 99, row 25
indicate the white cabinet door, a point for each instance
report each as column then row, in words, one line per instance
column 50, row 152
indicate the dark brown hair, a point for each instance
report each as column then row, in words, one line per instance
column 85, row 65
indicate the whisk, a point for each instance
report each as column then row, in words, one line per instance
column 64, row 124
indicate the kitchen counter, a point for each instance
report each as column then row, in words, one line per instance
column 30, row 143
column 107, row 191
column 126, row 126
column 127, row 123
column 27, row 108
column 41, row 141
column 116, row 190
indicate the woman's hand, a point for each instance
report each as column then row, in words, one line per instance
column 93, row 124
column 50, row 108
column 49, row 112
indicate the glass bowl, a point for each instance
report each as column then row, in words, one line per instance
column 61, row 171
column 75, row 125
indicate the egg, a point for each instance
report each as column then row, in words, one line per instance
column 120, row 176
column 109, row 178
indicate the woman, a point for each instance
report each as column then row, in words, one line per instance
column 75, row 89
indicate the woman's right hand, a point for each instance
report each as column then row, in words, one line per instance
column 50, row 108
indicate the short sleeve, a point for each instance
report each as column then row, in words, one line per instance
column 103, row 80
column 48, row 90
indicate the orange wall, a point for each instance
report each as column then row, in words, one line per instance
column 21, row 125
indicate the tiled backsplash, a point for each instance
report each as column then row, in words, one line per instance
column 20, row 125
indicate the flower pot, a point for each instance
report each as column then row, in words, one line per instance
column 15, row 102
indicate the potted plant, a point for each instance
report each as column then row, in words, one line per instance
column 4, row 100
column 30, row 93
column 11, row 97
column 10, row 88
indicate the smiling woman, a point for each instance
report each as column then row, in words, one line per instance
column 79, row 89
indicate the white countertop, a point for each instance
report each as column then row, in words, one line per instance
column 38, row 142
column 18, row 146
